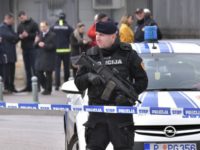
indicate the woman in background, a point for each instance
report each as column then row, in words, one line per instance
column 78, row 45
column 125, row 32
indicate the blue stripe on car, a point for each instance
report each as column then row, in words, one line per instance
column 144, row 47
column 164, row 48
column 180, row 100
column 170, row 45
column 189, row 99
column 137, row 48
column 150, row 100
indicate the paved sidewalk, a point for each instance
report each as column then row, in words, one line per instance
column 57, row 97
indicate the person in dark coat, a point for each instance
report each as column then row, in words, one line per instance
column 63, row 31
column 144, row 18
column 45, row 57
column 1, row 57
column 8, row 52
column 27, row 31
column 78, row 44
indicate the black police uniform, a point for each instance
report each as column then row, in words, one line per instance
column 63, row 31
column 116, row 128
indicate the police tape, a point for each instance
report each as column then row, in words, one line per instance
column 185, row 112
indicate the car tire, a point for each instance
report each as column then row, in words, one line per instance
column 73, row 144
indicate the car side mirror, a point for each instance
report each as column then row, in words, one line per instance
column 70, row 87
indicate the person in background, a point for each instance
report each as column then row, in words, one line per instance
column 115, row 128
column 9, row 40
column 92, row 29
column 144, row 18
column 125, row 32
column 46, row 54
column 1, row 57
column 151, row 22
column 63, row 31
column 27, row 30
column 139, row 28
column 78, row 44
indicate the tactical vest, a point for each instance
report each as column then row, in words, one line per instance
column 118, row 60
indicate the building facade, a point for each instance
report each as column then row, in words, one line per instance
column 177, row 18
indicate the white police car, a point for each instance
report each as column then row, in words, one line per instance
column 169, row 116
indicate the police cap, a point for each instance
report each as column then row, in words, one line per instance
column 108, row 27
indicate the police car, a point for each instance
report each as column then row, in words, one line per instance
column 169, row 116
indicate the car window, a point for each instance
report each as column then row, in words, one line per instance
column 172, row 71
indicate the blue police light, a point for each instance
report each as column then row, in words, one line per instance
column 150, row 33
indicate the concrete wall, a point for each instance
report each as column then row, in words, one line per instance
column 87, row 12
column 47, row 9
column 4, row 8
column 178, row 18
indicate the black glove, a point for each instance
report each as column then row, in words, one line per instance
column 121, row 100
column 95, row 79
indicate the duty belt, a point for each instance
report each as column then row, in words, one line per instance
column 63, row 50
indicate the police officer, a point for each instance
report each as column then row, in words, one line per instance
column 63, row 31
column 8, row 50
column 103, row 128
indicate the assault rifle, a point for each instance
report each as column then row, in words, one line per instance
column 110, row 78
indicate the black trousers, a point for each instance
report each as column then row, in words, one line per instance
column 8, row 74
column 29, row 64
column 104, row 128
column 66, row 64
column 45, row 79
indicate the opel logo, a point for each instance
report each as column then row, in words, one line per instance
column 170, row 131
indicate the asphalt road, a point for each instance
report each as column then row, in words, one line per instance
column 32, row 129
column 31, row 132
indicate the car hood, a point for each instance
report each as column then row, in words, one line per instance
column 172, row 99
column 175, row 100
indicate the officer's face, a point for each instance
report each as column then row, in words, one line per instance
column 105, row 40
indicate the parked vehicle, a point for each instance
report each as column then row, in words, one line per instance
column 173, row 70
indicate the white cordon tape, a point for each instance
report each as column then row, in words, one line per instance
column 184, row 112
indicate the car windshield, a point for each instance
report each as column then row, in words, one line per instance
column 172, row 71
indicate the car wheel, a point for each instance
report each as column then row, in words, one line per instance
column 73, row 144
